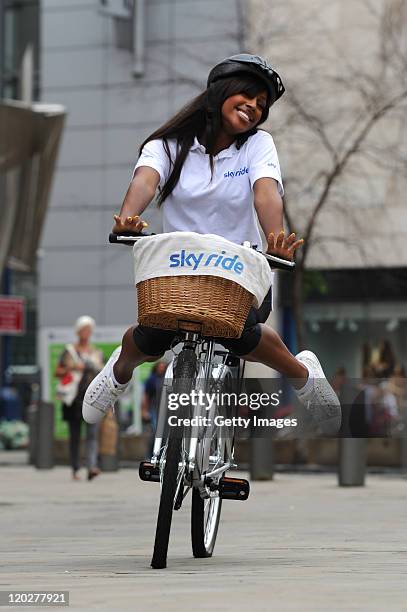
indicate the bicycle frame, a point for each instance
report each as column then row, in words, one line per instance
column 199, row 459
column 200, row 467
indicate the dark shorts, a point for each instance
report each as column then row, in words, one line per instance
column 155, row 342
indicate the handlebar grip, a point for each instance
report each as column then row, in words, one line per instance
column 279, row 262
column 121, row 238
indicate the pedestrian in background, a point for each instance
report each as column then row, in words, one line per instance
column 78, row 365
column 383, row 359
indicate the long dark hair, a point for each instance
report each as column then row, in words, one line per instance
column 202, row 117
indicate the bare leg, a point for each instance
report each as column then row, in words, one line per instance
column 272, row 352
column 318, row 397
column 129, row 358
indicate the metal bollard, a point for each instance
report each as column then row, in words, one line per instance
column 353, row 443
column 109, row 463
column 32, row 417
column 45, row 436
column 261, row 459
column 352, row 462
column 261, row 445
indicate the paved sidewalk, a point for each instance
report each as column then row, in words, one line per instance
column 299, row 543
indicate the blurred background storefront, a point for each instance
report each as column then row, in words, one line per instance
column 350, row 314
column 30, row 133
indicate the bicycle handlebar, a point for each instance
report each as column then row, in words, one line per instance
column 127, row 238
column 130, row 238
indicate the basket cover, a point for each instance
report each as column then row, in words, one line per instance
column 189, row 253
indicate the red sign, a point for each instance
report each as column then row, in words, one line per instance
column 12, row 315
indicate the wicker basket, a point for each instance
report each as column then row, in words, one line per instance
column 211, row 304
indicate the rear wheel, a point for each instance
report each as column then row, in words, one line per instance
column 173, row 461
column 205, row 517
column 216, row 449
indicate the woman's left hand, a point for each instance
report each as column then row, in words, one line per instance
column 128, row 224
column 283, row 247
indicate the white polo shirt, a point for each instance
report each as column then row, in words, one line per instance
column 224, row 205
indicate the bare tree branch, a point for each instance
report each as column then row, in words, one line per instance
column 343, row 161
column 316, row 123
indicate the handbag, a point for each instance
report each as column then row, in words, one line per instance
column 67, row 388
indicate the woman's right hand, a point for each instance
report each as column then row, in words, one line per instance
column 128, row 224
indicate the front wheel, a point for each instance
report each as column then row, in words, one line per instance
column 173, row 462
column 170, row 485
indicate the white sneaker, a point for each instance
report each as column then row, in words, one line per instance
column 102, row 392
column 319, row 398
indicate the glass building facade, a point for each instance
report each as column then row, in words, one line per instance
column 19, row 44
column 20, row 31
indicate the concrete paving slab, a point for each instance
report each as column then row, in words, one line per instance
column 299, row 543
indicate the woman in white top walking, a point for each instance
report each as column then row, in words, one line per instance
column 217, row 173
column 84, row 360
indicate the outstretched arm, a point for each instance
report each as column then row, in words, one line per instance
column 139, row 195
column 269, row 207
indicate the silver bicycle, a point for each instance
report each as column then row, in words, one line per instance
column 194, row 441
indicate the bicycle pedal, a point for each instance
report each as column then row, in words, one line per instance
column 234, row 488
column 148, row 472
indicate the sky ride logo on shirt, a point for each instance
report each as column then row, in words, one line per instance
column 195, row 260
column 240, row 172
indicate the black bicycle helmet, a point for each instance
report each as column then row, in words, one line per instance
column 254, row 64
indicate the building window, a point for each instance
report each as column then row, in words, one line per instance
column 19, row 30
column 128, row 16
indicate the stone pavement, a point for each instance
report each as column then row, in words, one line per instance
column 299, row 543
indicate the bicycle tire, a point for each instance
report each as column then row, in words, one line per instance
column 184, row 376
column 202, row 548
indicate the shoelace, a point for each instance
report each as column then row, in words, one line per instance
column 100, row 387
column 331, row 408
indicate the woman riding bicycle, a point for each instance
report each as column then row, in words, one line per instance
column 217, row 173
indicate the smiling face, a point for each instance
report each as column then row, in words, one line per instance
column 242, row 112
